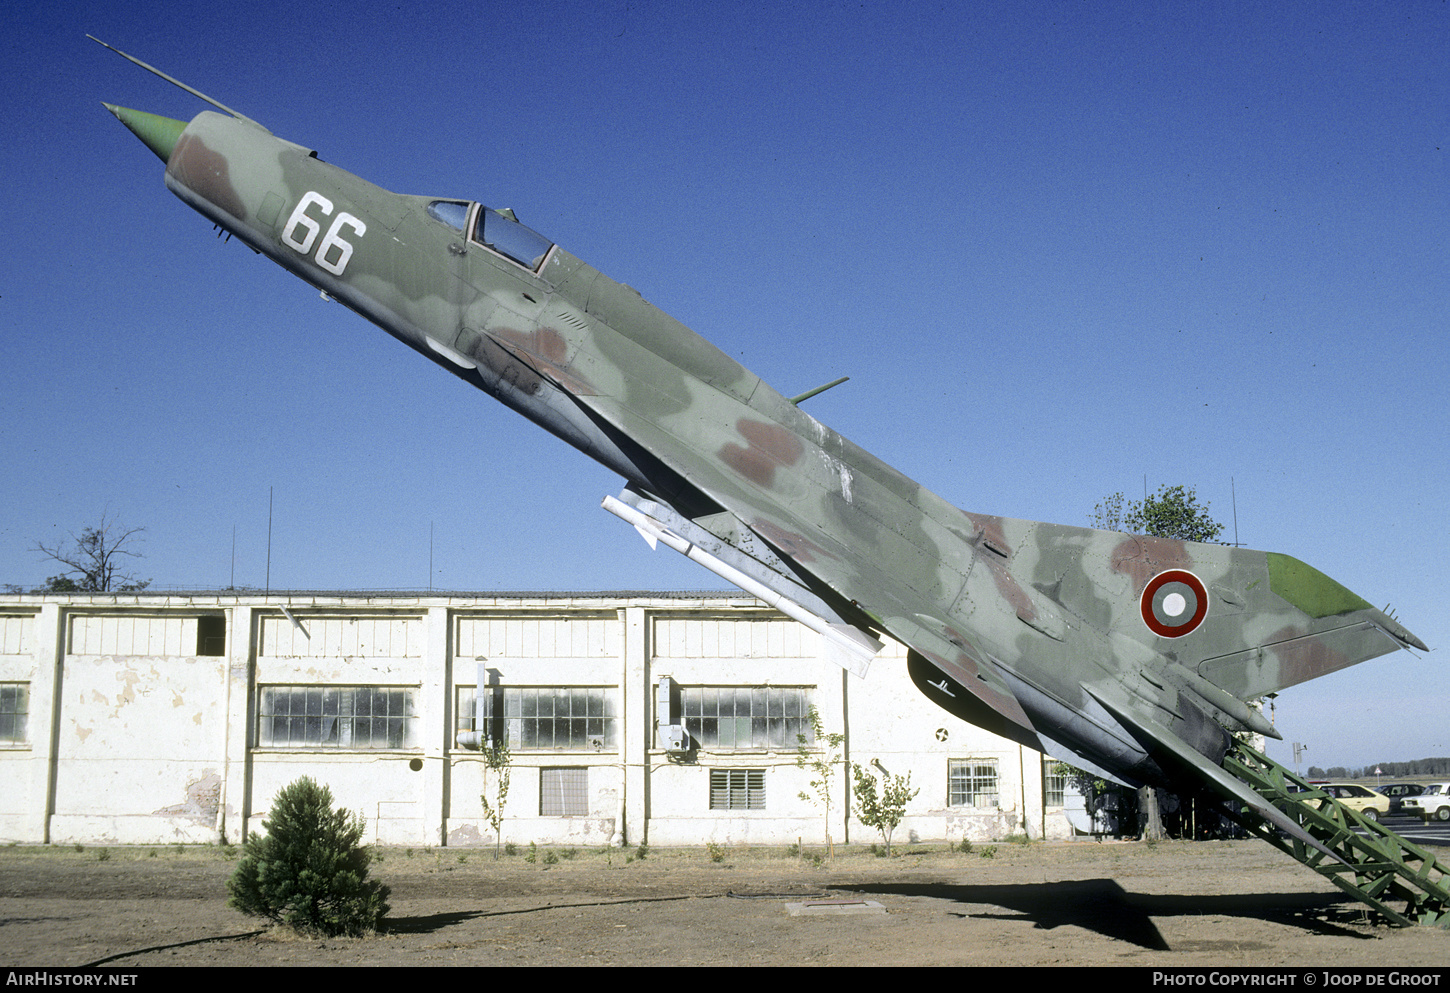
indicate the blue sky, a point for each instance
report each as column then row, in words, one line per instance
column 1059, row 248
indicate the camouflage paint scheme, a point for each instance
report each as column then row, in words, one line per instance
column 1131, row 656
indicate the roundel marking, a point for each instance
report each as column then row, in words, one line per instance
column 1174, row 603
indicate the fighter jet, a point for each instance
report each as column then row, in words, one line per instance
column 1133, row 657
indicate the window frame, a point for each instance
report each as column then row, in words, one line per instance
column 336, row 731
column 973, row 768
column 15, row 693
column 472, row 234
column 499, row 722
column 1054, row 784
column 761, row 737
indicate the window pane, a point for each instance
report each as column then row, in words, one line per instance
column 340, row 717
column 758, row 717
column 14, row 712
column 972, row 783
column 510, row 238
column 453, row 214
column 554, row 718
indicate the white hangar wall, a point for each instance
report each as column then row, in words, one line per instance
column 136, row 719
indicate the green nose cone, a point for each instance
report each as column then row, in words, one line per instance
column 158, row 133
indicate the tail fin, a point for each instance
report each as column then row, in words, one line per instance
column 1249, row 622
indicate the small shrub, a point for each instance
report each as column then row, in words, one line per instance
column 716, row 852
column 988, row 852
column 882, row 808
column 308, row 870
column 568, row 853
column 510, row 848
column 642, row 852
column 793, row 851
column 550, row 858
column 533, row 855
column 104, row 855
column 965, row 847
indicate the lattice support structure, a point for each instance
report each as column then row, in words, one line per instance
column 1373, row 864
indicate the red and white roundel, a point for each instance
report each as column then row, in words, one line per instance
column 1174, row 603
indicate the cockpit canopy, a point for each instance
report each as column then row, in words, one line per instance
column 497, row 230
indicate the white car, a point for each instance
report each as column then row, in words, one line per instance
column 1434, row 802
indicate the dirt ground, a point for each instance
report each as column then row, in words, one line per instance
column 1082, row 903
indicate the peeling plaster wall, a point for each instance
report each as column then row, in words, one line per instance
column 139, row 750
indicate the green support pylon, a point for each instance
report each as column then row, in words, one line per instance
column 1373, row 864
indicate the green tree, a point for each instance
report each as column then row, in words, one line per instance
column 1172, row 512
column 1108, row 515
column 498, row 771
column 309, row 870
column 821, row 764
column 884, row 810
column 94, row 562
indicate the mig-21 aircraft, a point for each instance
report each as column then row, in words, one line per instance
column 1134, row 657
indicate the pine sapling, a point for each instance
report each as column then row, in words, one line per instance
column 309, row 870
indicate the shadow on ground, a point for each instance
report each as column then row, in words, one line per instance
column 1103, row 907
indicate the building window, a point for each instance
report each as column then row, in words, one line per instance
column 211, row 635
column 564, row 792
column 14, row 712
column 545, row 718
column 972, row 782
column 1054, row 783
column 344, row 717
column 737, row 789
column 746, row 716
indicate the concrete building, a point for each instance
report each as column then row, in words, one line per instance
column 147, row 719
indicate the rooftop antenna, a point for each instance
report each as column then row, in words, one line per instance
column 1233, row 495
column 269, row 539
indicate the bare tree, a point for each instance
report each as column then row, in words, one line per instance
column 93, row 563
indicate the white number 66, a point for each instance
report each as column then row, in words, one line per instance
column 309, row 228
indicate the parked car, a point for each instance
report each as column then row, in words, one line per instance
column 1361, row 799
column 1434, row 802
column 1398, row 793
